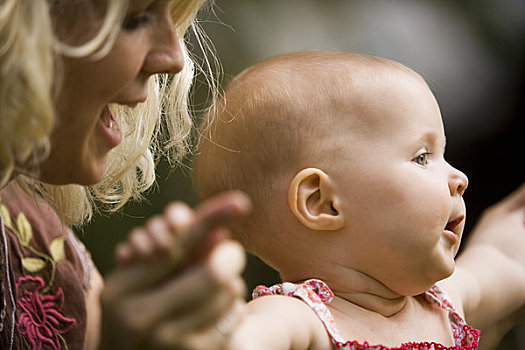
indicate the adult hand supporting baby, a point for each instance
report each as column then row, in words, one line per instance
column 180, row 301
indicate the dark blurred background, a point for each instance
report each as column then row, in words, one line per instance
column 471, row 52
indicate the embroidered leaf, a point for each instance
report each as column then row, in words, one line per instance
column 25, row 232
column 33, row 264
column 5, row 216
column 57, row 249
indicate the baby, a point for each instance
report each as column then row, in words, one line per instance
column 354, row 205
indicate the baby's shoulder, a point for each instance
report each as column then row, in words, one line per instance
column 286, row 308
column 276, row 303
column 279, row 322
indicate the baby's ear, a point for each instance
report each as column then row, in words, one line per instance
column 313, row 201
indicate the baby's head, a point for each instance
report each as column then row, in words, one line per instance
column 342, row 155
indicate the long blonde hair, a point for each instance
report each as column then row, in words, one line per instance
column 160, row 125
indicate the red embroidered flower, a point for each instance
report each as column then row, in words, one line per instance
column 41, row 319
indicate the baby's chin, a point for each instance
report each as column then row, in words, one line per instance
column 442, row 277
column 409, row 289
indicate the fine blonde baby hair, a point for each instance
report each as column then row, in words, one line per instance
column 276, row 118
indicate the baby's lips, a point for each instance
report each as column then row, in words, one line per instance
column 451, row 225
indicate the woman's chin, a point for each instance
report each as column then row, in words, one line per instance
column 74, row 175
column 89, row 178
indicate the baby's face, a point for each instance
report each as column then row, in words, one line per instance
column 402, row 200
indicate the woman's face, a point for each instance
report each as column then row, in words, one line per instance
column 86, row 130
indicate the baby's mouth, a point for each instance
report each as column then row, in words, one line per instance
column 452, row 225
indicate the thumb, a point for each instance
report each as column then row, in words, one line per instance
column 226, row 261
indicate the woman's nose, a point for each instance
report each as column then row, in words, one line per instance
column 458, row 182
column 165, row 55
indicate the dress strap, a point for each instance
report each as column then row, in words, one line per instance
column 314, row 293
column 464, row 335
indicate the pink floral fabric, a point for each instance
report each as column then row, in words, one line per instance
column 464, row 334
column 317, row 294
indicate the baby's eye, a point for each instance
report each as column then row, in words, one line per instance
column 421, row 159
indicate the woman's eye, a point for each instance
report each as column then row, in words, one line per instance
column 421, row 159
column 134, row 22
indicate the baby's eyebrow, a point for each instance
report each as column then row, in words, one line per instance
column 431, row 137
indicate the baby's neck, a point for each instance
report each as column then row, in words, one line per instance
column 379, row 301
column 361, row 290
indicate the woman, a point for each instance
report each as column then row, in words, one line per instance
column 82, row 86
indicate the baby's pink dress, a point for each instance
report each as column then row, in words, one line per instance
column 316, row 294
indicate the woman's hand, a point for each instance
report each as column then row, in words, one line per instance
column 178, row 285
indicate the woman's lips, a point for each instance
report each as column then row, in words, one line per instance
column 110, row 127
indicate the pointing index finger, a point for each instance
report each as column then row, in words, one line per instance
column 210, row 217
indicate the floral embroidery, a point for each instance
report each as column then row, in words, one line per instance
column 41, row 319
